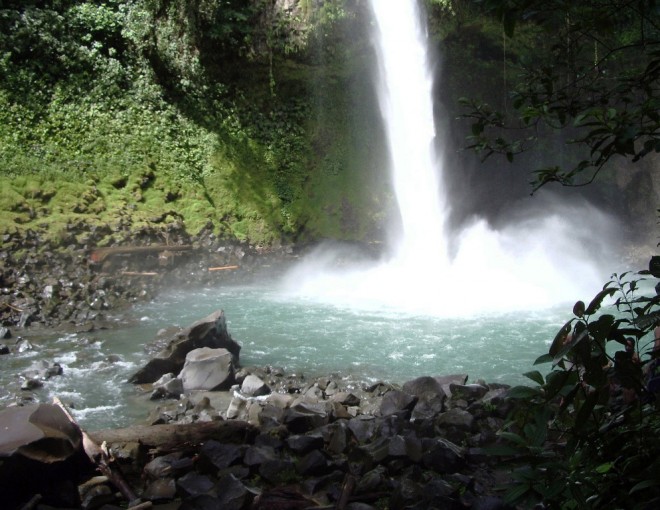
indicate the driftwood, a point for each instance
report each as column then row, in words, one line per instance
column 13, row 307
column 99, row 456
column 171, row 437
column 346, row 491
column 100, row 254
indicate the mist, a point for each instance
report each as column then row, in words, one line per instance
column 443, row 258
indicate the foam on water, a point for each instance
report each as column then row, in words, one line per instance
column 547, row 255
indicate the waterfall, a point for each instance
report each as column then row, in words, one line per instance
column 546, row 256
column 405, row 95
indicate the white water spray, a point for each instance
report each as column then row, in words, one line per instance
column 530, row 264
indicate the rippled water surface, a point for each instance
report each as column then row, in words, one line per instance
column 297, row 334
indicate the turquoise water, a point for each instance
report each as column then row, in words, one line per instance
column 280, row 330
column 301, row 335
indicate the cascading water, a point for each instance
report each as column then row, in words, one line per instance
column 406, row 103
column 531, row 263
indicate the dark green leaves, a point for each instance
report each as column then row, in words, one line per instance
column 594, row 68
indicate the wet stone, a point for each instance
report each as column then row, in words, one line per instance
column 304, row 417
column 160, row 490
column 423, row 385
column 233, row 494
column 442, row 456
column 256, row 455
column 362, row 428
column 469, row 392
column 254, row 386
column 428, row 406
column 219, row 455
column 161, row 467
column 462, row 420
column 396, row 401
column 193, row 484
column 278, row 471
column 302, row 444
column 314, row 463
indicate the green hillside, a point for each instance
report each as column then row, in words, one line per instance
column 237, row 116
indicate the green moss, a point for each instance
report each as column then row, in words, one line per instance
column 262, row 153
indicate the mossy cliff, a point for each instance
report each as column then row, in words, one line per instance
column 257, row 119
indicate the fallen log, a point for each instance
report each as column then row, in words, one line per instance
column 346, row 491
column 100, row 254
column 12, row 307
column 222, row 268
column 171, row 437
column 99, row 456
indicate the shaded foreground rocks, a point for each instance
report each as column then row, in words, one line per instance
column 329, row 443
column 40, row 456
column 278, row 441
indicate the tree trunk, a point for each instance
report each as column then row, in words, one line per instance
column 173, row 437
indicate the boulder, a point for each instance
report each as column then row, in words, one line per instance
column 209, row 332
column 162, row 489
column 446, row 380
column 233, row 494
column 396, row 401
column 193, row 484
column 40, row 432
column 442, row 455
column 422, row 386
column 214, row 455
column 304, row 417
column 304, row 443
column 40, row 453
column 207, row 369
column 468, row 392
column 345, row 398
column 428, row 406
column 253, row 386
column 462, row 420
column 167, row 386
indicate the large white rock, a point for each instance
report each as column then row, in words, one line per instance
column 253, row 386
column 207, row 369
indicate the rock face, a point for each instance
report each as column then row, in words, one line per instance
column 39, row 432
column 207, row 369
column 208, row 332
column 40, row 453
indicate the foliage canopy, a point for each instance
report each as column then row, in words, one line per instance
column 593, row 72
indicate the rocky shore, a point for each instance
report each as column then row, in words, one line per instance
column 257, row 437
column 78, row 284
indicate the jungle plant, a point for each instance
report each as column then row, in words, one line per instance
column 592, row 74
column 587, row 435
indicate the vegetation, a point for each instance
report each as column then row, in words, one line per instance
column 587, row 435
column 593, row 75
column 197, row 112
